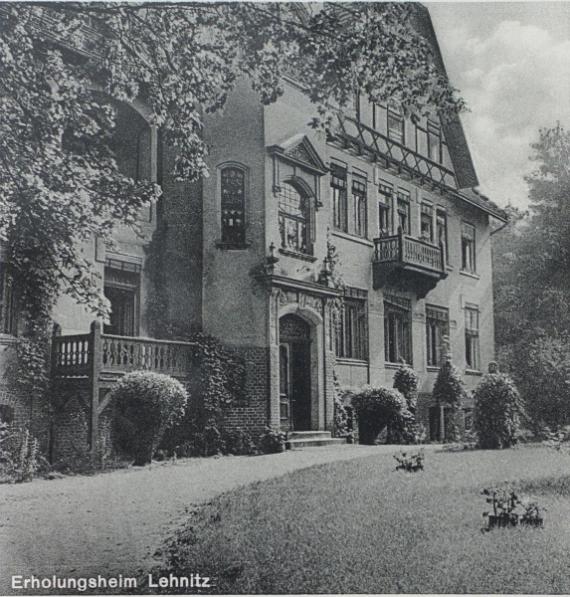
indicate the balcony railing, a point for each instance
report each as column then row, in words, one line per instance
column 358, row 137
column 408, row 262
column 83, row 355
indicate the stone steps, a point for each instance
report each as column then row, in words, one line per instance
column 297, row 440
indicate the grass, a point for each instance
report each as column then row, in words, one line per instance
column 362, row 527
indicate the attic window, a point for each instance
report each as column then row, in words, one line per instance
column 434, row 141
column 396, row 124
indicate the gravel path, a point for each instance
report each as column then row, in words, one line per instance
column 112, row 523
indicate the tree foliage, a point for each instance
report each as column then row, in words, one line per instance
column 498, row 411
column 449, row 390
column 61, row 65
column 531, row 282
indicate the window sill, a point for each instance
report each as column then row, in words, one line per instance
column 396, row 365
column 473, row 372
column 349, row 361
column 353, row 238
column 297, row 255
column 232, row 246
column 473, row 275
column 8, row 339
column 432, row 369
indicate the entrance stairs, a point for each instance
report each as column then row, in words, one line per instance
column 297, row 440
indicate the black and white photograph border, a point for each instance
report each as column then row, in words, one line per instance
column 284, row 297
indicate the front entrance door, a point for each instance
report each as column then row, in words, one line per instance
column 294, row 374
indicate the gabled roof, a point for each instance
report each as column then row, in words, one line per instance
column 453, row 130
column 300, row 150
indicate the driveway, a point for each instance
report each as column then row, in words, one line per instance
column 112, row 523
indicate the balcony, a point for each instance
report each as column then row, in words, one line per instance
column 407, row 263
column 99, row 357
column 354, row 136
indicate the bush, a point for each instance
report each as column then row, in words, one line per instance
column 542, row 373
column 272, row 441
column 449, row 390
column 146, row 405
column 406, row 381
column 498, row 411
column 20, row 457
column 377, row 409
column 238, row 442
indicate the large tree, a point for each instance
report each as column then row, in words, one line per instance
column 59, row 181
column 532, row 285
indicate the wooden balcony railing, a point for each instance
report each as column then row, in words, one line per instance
column 407, row 250
column 408, row 262
column 356, row 136
column 79, row 356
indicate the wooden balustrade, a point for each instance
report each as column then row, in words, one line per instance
column 121, row 353
column 75, row 355
column 408, row 250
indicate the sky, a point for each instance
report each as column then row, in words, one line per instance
column 511, row 63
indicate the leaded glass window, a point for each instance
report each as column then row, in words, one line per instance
column 233, row 205
column 293, row 219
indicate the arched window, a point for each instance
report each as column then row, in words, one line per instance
column 294, row 217
column 233, row 205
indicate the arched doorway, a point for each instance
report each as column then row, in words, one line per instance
column 294, row 373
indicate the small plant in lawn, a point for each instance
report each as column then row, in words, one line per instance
column 146, row 405
column 272, row 441
column 511, row 509
column 411, row 463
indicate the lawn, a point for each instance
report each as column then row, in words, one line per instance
column 362, row 527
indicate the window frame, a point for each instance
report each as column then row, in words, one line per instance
column 385, row 192
column 396, row 116
column 132, row 283
column 352, row 327
column 468, row 248
column 441, row 215
column 358, row 222
column 437, row 328
column 398, row 312
column 472, row 338
column 433, row 130
column 240, row 239
column 426, row 215
column 283, row 216
column 403, row 197
column 339, row 195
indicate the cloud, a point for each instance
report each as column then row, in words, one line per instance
column 515, row 79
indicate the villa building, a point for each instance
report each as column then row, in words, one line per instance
column 382, row 213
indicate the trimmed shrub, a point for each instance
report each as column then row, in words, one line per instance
column 272, row 441
column 378, row 409
column 406, row 381
column 449, row 390
column 498, row 411
column 146, row 405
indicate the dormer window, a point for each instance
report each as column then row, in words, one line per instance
column 396, row 130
